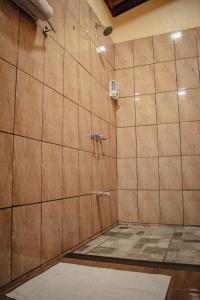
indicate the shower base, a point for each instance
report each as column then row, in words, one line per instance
column 155, row 243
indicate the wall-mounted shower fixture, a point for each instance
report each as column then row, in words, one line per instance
column 101, row 194
column 106, row 30
column 98, row 137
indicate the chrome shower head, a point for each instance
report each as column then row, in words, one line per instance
column 106, row 30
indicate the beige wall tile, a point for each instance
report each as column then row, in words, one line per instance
column 144, row 79
column 113, row 142
column 85, row 172
column 28, row 109
column 70, row 124
column 145, row 109
column 170, row 173
column 85, row 50
column 171, row 205
column 9, row 27
column 31, row 48
column 148, row 207
column 72, row 35
column 167, row 107
column 126, row 82
column 147, row 141
column 123, row 55
column 7, row 87
column 163, row 47
column 85, row 14
column 70, row 172
column 85, row 217
column 26, row 239
column 84, row 88
column 127, row 206
column 127, row 176
column 52, row 116
column 186, row 46
column 53, row 72
column 6, row 162
column 168, row 139
column 51, row 172
column 197, row 32
column 125, row 112
column 97, row 215
column 191, row 207
column 58, row 20
column 114, row 206
column 190, row 138
column 70, row 222
column 97, row 173
column 5, row 246
column 71, row 76
column 187, row 73
column 148, row 173
column 51, row 229
column 26, row 171
column 143, row 51
column 126, row 142
column 85, row 141
column 189, row 105
column 165, row 77
column 105, row 144
column 74, row 7
column 191, row 172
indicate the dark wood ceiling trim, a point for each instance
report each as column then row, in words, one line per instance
column 118, row 7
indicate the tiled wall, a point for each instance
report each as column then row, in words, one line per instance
column 53, row 94
column 158, row 134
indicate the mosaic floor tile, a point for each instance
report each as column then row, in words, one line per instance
column 176, row 244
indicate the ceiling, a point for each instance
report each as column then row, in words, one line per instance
column 118, row 7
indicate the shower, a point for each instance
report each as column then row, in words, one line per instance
column 106, row 30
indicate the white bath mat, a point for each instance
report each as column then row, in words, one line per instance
column 75, row 282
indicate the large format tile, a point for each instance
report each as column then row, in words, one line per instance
column 148, row 207
column 31, row 48
column 187, row 73
column 189, row 105
column 127, row 175
column 144, row 79
column 85, row 217
column 125, row 112
column 126, row 142
column 51, row 227
column 5, row 246
column 148, row 173
column 58, row 20
column 51, row 172
column 165, row 76
column 7, row 87
column 28, row 108
column 127, row 206
column 70, row 124
column 147, row 141
column 163, row 47
column 10, row 16
column 85, row 141
column 52, row 116
column 126, row 82
column 85, row 172
column 72, row 32
column 145, row 106
column 167, row 107
column 191, row 207
column 124, row 55
column 186, row 46
column 70, row 222
column 53, row 72
column 26, row 239
column 168, row 139
column 190, row 138
column 171, row 206
column 143, row 51
column 191, row 172
column 71, row 76
column 84, row 88
column 26, row 171
column 70, row 172
column 6, row 161
column 170, row 173
column 85, row 50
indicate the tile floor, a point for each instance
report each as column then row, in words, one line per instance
column 161, row 243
